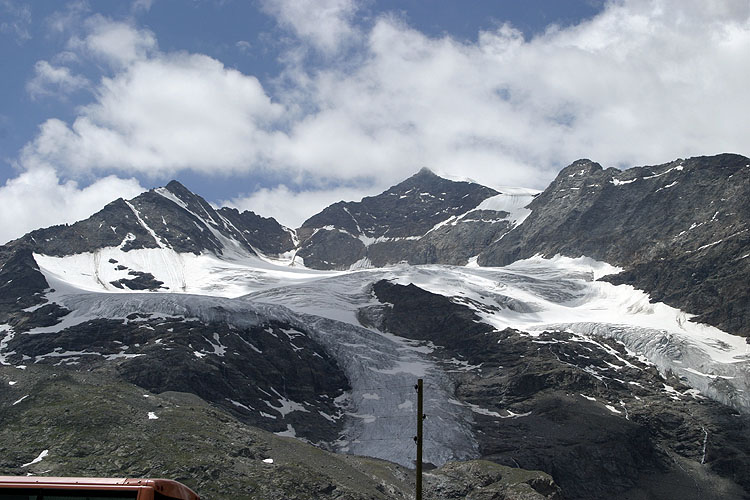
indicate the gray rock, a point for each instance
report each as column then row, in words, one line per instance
column 582, row 410
column 389, row 228
column 680, row 231
column 171, row 217
column 270, row 375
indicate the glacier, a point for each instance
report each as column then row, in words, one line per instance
column 533, row 295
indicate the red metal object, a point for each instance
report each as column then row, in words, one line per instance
column 145, row 488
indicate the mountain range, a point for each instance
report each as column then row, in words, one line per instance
column 586, row 341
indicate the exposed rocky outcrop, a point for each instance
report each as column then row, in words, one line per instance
column 249, row 372
column 680, row 231
column 599, row 421
column 481, row 479
column 261, row 233
column 22, row 289
column 139, row 281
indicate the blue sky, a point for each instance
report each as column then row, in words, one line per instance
column 285, row 106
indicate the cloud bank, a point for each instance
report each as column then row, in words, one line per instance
column 39, row 198
column 365, row 105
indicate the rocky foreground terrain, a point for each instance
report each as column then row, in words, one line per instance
column 165, row 337
column 93, row 424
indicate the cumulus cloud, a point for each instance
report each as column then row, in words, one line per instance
column 117, row 43
column 325, row 24
column 643, row 82
column 39, row 198
column 162, row 115
column 54, row 80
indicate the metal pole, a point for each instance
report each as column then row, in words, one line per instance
column 420, row 417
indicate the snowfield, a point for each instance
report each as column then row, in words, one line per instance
column 532, row 295
column 231, row 276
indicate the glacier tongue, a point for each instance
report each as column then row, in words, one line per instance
column 382, row 370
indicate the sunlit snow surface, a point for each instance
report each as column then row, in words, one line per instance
column 511, row 200
column 532, row 295
column 231, row 276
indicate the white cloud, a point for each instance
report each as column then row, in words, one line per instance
column 54, row 80
column 161, row 115
column 39, row 198
column 15, row 19
column 325, row 24
column 117, row 43
column 643, row 82
column 141, row 5
column 70, row 18
column 244, row 46
column 291, row 208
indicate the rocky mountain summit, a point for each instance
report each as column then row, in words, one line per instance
column 546, row 376
column 424, row 219
column 169, row 217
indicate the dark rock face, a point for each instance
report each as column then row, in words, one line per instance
column 170, row 217
column 112, row 226
column 180, row 227
column 331, row 249
column 480, row 479
column 600, row 422
column 453, row 244
column 20, row 280
column 22, row 289
column 394, row 222
column 271, row 376
column 680, row 230
column 410, row 208
column 140, row 281
column 247, row 229
column 261, row 233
